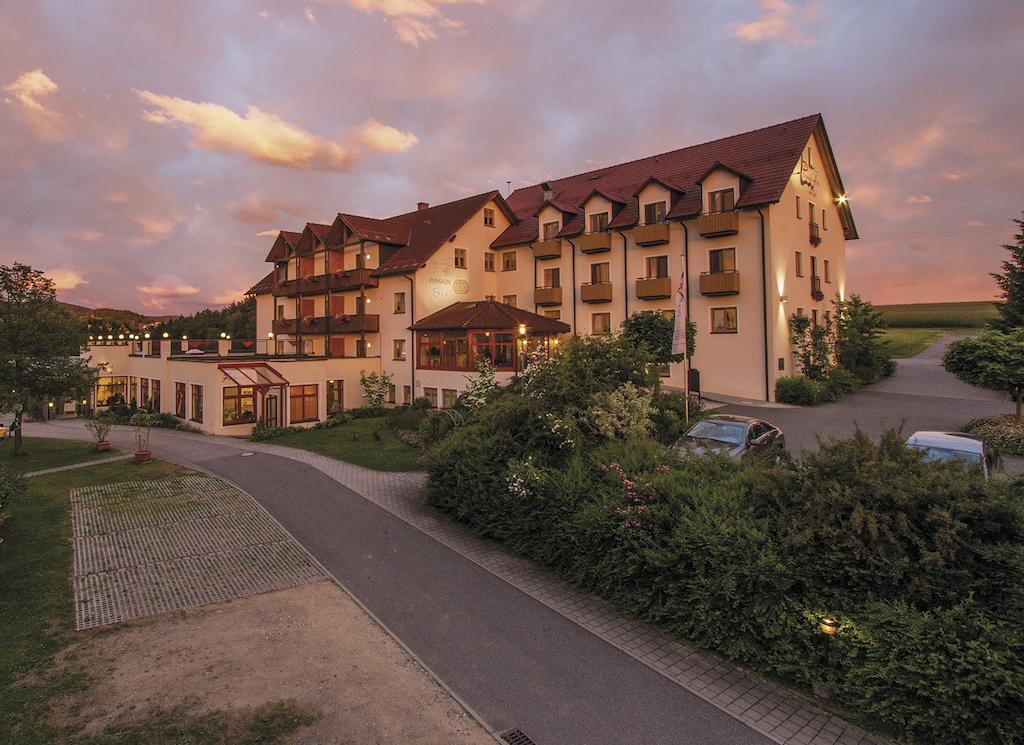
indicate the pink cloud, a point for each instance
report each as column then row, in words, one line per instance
column 778, row 21
column 168, row 286
column 415, row 21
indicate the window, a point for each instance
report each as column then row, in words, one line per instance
column 601, row 323
column 488, row 217
column 814, row 316
column 488, row 261
column 549, row 230
column 133, row 390
column 723, row 320
column 508, row 261
column 280, row 310
column 431, row 395
column 598, row 222
column 509, row 300
column 197, row 403
column 669, row 315
column 460, row 258
column 799, row 311
column 722, row 260
column 144, row 393
column 112, row 390
column 809, row 158
column 361, row 301
column 303, row 405
column 360, row 347
column 448, row 396
column 799, row 264
column 335, row 397
column 552, row 277
column 722, row 200
column 155, row 386
column 824, row 222
column 179, row 400
column 600, row 273
column 810, row 211
column 391, row 393
column 798, row 215
column 399, row 302
column 406, row 394
column 654, row 212
column 239, row 405
column 337, row 346
column 657, row 266
column 399, row 348
column 556, row 314
column 828, row 271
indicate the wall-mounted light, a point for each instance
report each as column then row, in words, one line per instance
column 120, row 337
column 828, row 625
column 166, row 335
column 270, row 334
column 50, row 404
column 184, row 337
column 842, row 199
column 522, row 329
column 110, row 337
column 783, row 299
column 222, row 335
column 146, row 335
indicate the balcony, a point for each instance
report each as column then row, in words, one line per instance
column 654, row 288
column 350, row 279
column 547, row 296
column 720, row 283
column 549, row 249
column 596, row 292
column 714, row 224
column 815, row 235
column 593, row 243
column 651, row 235
column 363, row 323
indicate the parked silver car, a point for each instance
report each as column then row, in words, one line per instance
column 734, row 436
column 954, row 446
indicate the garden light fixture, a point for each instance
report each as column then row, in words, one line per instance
column 828, row 625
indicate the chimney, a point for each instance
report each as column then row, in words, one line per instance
column 422, row 205
column 549, row 190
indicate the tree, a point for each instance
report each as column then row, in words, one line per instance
column 1011, row 283
column 812, row 346
column 858, row 339
column 654, row 331
column 992, row 359
column 39, row 346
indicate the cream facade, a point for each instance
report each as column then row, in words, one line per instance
column 758, row 238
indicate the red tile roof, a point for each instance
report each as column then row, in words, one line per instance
column 285, row 242
column 488, row 315
column 767, row 156
column 319, row 230
column 262, row 287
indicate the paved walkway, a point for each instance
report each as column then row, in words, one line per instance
column 920, row 395
column 775, row 713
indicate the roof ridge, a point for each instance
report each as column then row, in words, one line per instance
column 676, row 150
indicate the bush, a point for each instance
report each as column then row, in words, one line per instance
column 262, row 432
column 802, row 391
column 334, row 420
column 12, row 486
column 1004, row 434
column 668, row 418
column 368, row 412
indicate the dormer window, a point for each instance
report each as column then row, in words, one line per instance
column 598, row 222
column 550, row 230
column 723, row 200
column 654, row 213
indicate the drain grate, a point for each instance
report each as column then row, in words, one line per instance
column 517, row 737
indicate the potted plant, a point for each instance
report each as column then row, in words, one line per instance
column 99, row 428
column 143, row 421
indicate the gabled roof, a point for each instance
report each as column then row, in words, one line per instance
column 312, row 236
column 720, row 166
column 559, row 205
column 284, row 244
column 488, row 315
column 391, row 231
column 264, row 286
column 767, row 157
column 659, row 182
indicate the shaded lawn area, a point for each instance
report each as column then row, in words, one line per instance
column 38, row 664
column 355, row 442
column 907, row 342
column 46, row 452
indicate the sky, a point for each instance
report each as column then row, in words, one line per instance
column 150, row 150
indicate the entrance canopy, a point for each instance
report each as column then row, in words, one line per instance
column 255, row 374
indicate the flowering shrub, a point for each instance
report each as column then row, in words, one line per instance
column 481, row 389
column 624, row 412
column 375, row 388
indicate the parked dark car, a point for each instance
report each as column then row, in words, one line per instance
column 954, row 446
column 734, row 436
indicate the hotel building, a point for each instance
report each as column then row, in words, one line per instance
column 758, row 221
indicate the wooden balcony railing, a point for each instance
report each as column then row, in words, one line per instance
column 718, row 223
column 654, row 288
column 549, row 249
column 592, row 243
column 350, row 279
column 547, row 296
column 362, row 323
column 720, row 283
column 596, row 292
column 651, row 235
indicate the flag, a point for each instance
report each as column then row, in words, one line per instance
column 679, row 333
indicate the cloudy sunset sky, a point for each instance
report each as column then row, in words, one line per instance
column 149, row 151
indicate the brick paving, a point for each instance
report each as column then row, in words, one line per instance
column 148, row 547
column 778, row 713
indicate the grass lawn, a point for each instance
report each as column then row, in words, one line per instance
column 906, row 342
column 355, row 442
column 37, row 663
column 46, row 452
column 973, row 314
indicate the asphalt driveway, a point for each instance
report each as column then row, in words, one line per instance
column 920, row 395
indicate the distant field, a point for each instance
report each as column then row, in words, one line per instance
column 939, row 315
column 906, row 342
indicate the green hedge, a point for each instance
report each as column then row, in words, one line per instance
column 1005, row 434
column 922, row 562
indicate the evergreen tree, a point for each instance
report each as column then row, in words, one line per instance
column 1011, row 283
